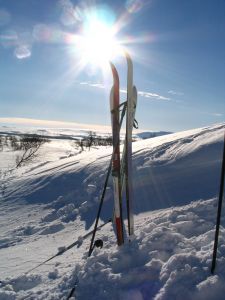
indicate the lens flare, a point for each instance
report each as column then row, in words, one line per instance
column 95, row 43
column 96, row 37
column 133, row 6
column 98, row 43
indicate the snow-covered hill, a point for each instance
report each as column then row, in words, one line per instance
column 53, row 200
column 150, row 134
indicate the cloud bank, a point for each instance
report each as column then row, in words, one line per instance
column 53, row 124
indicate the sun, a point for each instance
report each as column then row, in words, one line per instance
column 97, row 42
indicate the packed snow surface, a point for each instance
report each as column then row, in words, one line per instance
column 51, row 202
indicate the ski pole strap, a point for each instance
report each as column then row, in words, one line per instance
column 123, row 104
column 135, row 125
column 123, row 112
column 94, row 231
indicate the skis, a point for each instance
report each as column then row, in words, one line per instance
column 115, row 117
column 122, row 171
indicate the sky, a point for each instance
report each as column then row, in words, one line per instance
column 177, row 48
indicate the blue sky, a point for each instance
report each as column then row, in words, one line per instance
column 177, row 47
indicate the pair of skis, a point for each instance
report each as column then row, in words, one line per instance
column 122, row 168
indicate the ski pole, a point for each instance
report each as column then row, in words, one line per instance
column 219, row 211
column 105, row 186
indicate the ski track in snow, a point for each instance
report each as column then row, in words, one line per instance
column 53, row 201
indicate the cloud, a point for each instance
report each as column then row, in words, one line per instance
column 153, row 96
column 53, row 124
column 96, row 85
column 212, row 114
column 22, row 52
column 175, row 93
column 123, row 91
column 217, row 114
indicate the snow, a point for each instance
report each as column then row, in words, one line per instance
column 150, row 134
column 52, row 201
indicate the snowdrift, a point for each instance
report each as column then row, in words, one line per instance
column 168, row 171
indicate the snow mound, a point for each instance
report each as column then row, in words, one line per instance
column 166, row 260
column 163, row 262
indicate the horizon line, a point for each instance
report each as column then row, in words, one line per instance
column 57, row 124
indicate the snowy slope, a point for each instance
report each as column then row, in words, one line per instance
column 52, row 201
column 150, row 134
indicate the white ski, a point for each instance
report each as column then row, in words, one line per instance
column 127, row 153
column 122, row 169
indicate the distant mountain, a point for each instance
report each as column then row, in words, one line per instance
column 151, row 134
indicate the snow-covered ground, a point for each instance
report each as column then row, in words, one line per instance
column 52, row 201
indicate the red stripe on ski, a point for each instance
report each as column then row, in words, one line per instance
column 119, row 227
column 114, row 105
